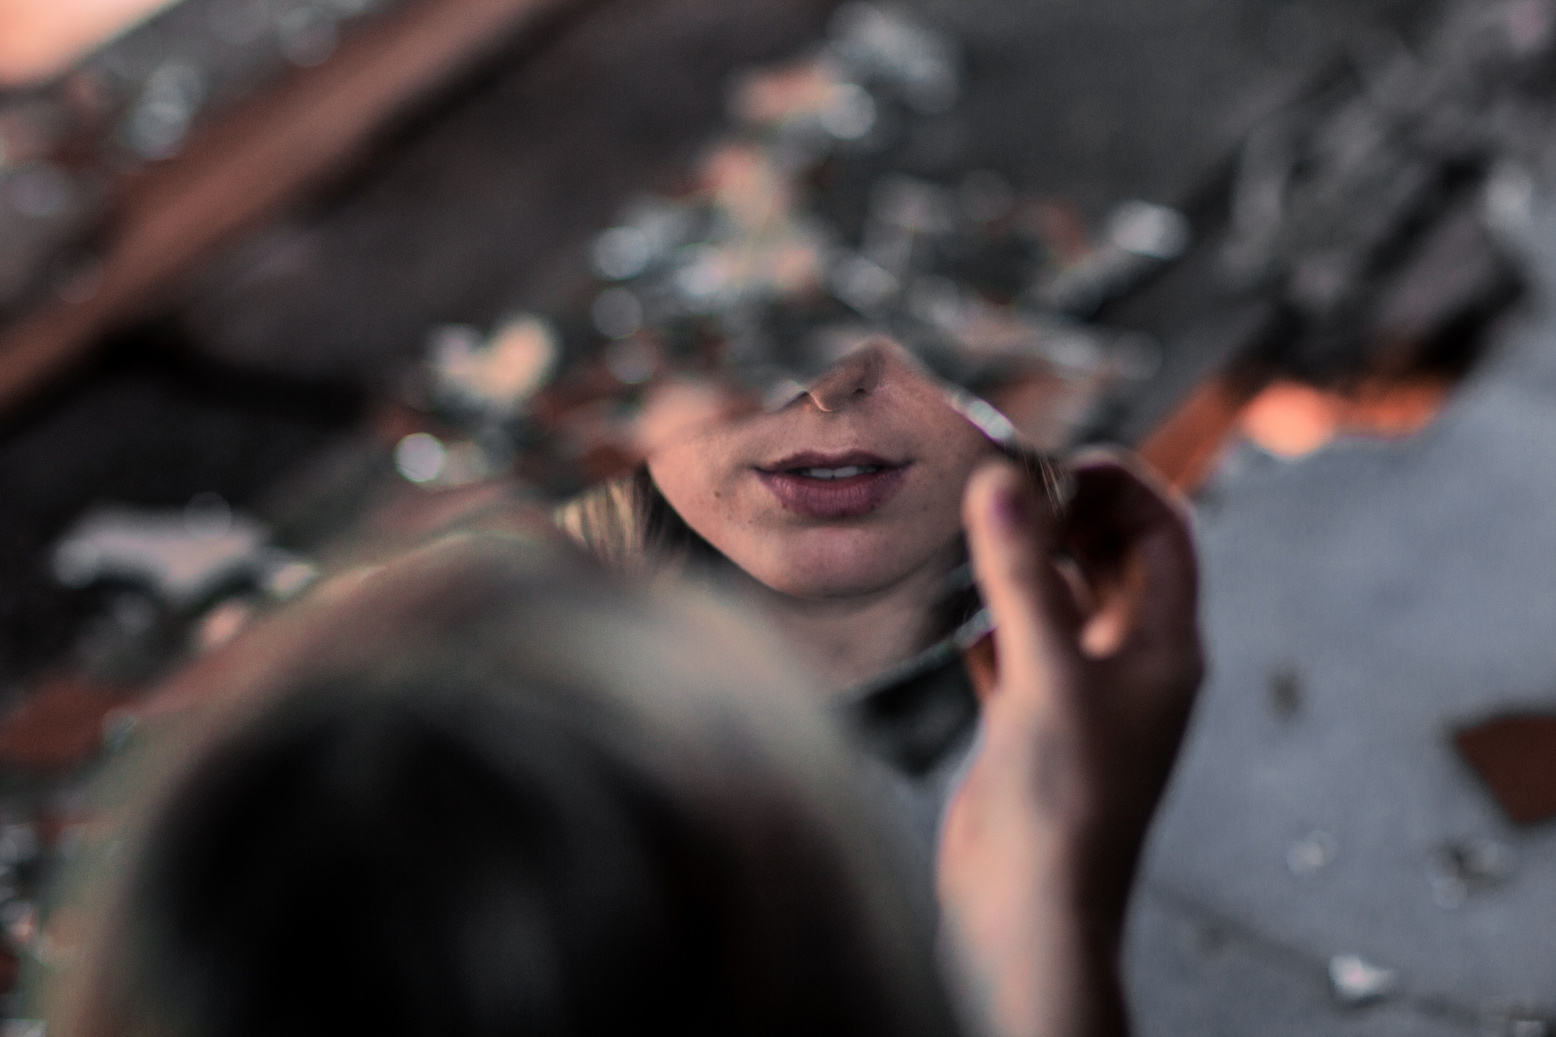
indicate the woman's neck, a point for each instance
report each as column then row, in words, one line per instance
column 849, row 640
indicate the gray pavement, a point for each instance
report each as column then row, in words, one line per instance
column 1358, row 603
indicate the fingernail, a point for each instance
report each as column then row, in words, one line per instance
column 1010, row 510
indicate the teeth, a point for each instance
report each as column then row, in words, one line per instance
column 847, row 472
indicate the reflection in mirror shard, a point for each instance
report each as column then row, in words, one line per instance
column 813, row 213
column 802, row 232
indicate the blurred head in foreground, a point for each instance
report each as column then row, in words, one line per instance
column 482, row 791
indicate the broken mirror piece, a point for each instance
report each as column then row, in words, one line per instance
column 1461, row 867
column 181, row 557
column 1312, row 853
column 1355, row 981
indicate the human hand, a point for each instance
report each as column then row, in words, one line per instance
column 1087, row 684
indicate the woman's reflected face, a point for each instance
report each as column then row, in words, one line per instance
column 851, row 488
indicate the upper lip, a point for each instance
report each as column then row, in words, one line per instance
column 817, row 459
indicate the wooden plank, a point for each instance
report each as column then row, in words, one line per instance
column 40, row 38
column 262, row 159
column 1186, row 447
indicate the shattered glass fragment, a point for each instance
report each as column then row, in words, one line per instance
column 497, row 376
column 1461, row 867
column 1312, row 853
column 157, row 550
column 849, row 114
column 617, row 313
column 621, row 252
column 632, row 360
column 1356, row 981
column 1153, row 231
column 419, row 457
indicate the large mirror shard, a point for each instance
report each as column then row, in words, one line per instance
column 821, row 224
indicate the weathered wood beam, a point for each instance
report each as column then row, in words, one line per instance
column 254, row 163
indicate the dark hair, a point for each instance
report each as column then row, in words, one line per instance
column 536, row 817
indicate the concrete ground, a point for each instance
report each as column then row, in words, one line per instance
column 1358, row 604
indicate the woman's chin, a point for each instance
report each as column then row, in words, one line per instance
column 830, row 589
column 833, row 574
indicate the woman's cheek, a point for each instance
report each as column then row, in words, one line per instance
column 697, row 487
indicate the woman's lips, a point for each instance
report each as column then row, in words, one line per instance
column 833, row 486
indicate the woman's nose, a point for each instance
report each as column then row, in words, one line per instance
column 857, row 374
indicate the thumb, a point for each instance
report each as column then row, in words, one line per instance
column 1011, row 537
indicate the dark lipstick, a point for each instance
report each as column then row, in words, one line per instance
column 833, row 486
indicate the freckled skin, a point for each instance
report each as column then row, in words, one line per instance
column 709, row 475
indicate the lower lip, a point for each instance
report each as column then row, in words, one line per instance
column 834, row 498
